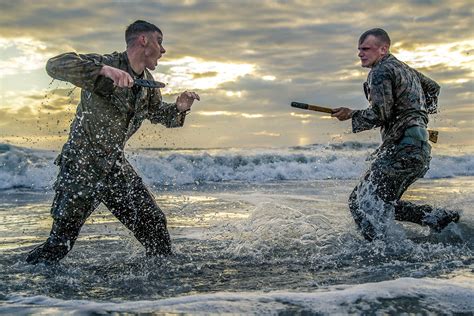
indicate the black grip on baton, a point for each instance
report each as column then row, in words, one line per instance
column 300, row 105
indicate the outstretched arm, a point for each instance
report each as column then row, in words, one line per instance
column 83, row 70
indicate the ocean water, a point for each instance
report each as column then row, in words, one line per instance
column 254, row 231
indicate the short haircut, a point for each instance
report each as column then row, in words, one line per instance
column 380, row 34
column 136, row 28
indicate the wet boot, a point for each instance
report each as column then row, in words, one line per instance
column 438, row 219
column 426, row 215
column 50, row 251
column 42, row 254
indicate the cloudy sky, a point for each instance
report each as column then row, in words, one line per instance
column 247, row 59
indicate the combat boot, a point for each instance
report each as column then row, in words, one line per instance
column 438, row 219
column 47, row 253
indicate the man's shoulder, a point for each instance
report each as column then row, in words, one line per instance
column 383, row 70
column 111, row 59
column 389, row 63
column 393, row 63
column 114, row 56
column 390, row 67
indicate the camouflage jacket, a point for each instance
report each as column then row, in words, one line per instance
column 106, row 116
column 399, row 97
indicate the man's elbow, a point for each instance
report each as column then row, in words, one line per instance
column 51, row 68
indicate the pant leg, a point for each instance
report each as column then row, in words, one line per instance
column 426, row 215
column 373, row 202
column 130, row 201
column 69, row 211
column 407, row 211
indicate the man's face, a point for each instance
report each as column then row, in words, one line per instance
column 371, row 50
column 153, row 49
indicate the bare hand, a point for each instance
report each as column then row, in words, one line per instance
column 185, row 100
column 121, row 78
column 342, row 114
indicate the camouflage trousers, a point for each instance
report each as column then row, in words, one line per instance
column 376, row 199
column 125, row 195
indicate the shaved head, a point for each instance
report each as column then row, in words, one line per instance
column 380, row 34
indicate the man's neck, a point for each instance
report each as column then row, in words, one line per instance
column 135, row 61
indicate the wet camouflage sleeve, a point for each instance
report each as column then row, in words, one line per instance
column 381, row 104
column 431, row 90
column 164, row 113
column 82, row 70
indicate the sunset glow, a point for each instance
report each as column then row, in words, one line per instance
column 193, row 73
column 246, row 69
column 22, row 55
column 452, row 55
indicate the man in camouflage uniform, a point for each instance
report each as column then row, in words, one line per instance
column 400, row 99
column 93, row 168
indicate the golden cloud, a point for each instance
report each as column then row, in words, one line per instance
column 190, row 73
column 37, row 101
column 229, row 113
column 453, row 55
column 22, row 55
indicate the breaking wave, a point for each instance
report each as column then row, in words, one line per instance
column 34, row 169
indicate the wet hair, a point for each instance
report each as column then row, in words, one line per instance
column 136, row 28
column 379, row 34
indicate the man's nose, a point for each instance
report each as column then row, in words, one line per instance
column 360, row 54
column 163, row 50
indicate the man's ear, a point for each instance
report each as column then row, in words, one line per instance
column 384, row 49
column 143, row 40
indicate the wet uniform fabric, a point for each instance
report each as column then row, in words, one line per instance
column 400, row 99
column 93, row 168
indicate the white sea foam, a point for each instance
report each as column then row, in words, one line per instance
column 22, row 167
column 455, row 295
column 274, row 230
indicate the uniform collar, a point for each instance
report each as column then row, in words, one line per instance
column 383, row 59
column 130, row 69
